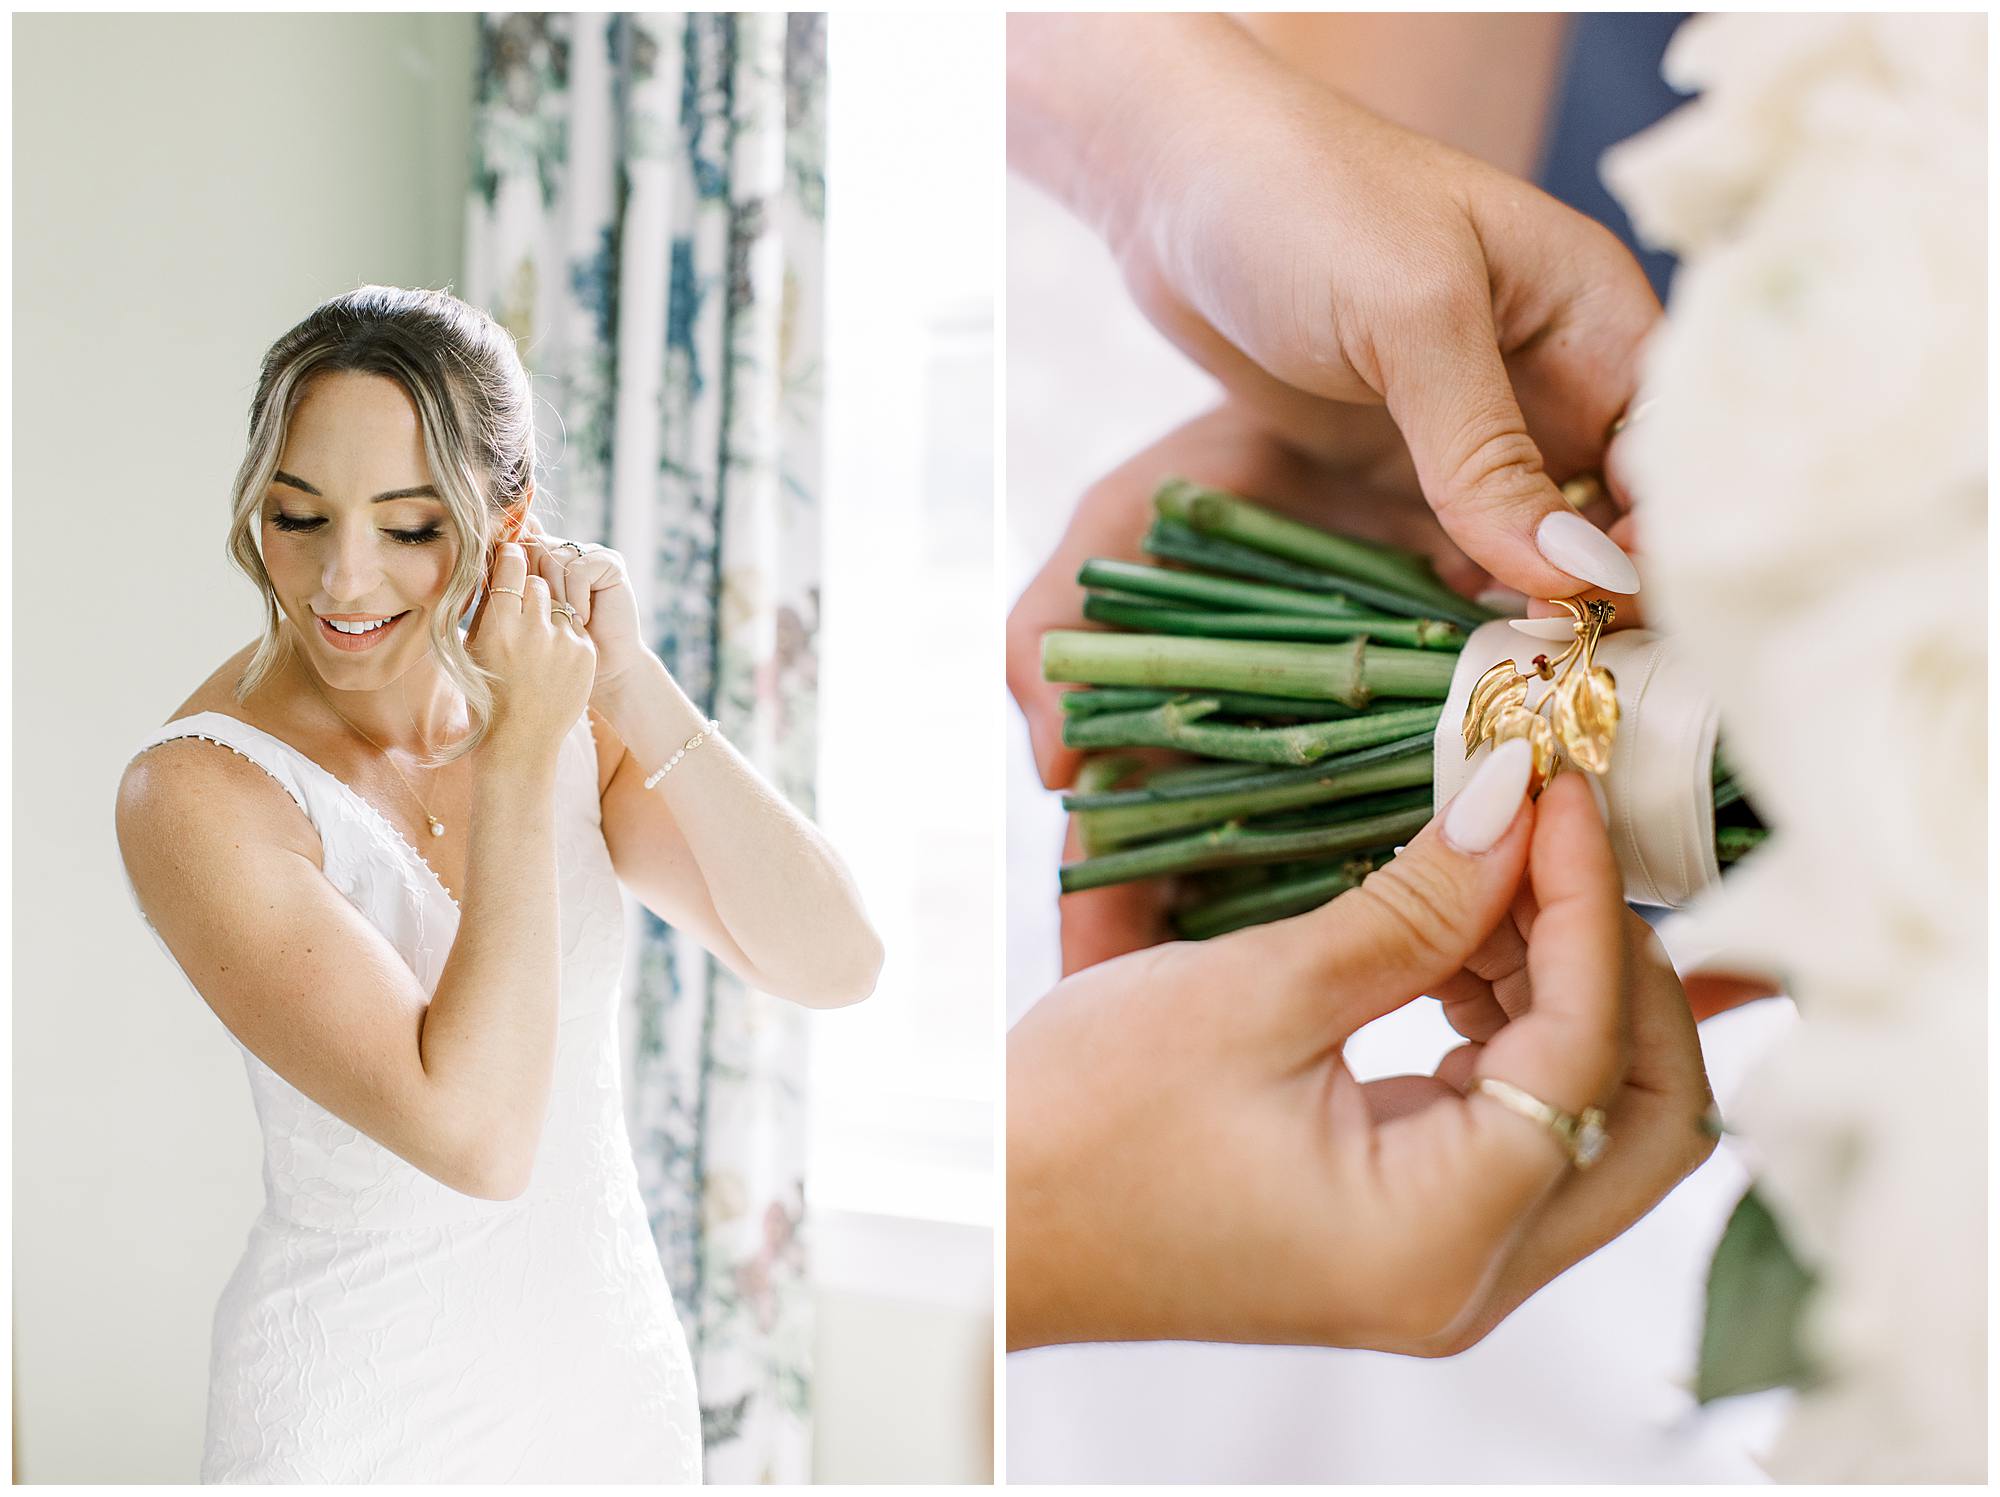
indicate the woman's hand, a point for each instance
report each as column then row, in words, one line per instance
column 592, row 579
column 1308, row 254
column 544, row 667
column 1356, row 480
column 1190, row 1158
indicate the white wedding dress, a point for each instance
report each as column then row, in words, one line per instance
column 381, row 1326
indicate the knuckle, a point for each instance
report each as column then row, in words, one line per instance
column 1434, row 293
column 1414, row 899
column 1497, row 460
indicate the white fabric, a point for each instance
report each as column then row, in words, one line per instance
column 1658, row 796
column 381, row 1326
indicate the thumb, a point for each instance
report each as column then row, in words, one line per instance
column 1412, row 923
column 1448, row 390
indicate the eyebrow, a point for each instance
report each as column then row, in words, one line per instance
column 422, row 491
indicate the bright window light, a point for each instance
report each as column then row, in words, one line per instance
column 902, row 1097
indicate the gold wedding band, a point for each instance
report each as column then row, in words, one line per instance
column 564, row 609
column 1582, row 1136
column 510, row 591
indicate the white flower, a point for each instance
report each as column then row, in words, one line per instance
column 1813, row 502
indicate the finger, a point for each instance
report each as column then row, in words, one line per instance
column 1411, row 924
column 1476, row 1171
column 1618, row 469
column 1470, row 1007
column 1712, row 993
column 1567, row 1049
column 1448, row 389
column 549, row 564
column 1657, row 1138
column 585, row 574
column 1099, row 924
column 1391, row 1097
column 510, row 571
column 535, row 598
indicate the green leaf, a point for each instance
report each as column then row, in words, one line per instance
column 1757, row 1294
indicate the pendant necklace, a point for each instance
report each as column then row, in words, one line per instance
column 436, row 826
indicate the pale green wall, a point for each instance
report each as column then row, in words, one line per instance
column 186, row 187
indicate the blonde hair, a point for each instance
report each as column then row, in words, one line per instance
column 463, row 374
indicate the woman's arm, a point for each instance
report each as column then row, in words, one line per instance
column 231, row 877
column 229, row 874
column 1309, row 254
column 714, row 850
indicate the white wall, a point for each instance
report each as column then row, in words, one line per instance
column 186, row 188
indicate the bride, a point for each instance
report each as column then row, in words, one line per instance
column 399, row 891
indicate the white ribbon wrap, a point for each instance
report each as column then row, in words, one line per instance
column 1658, row 797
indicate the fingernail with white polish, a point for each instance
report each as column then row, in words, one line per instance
column 1502, row 600
column 1563, row 629
column 1574, row 545
column 1480, row 814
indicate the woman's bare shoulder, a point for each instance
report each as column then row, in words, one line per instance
column 195, row 796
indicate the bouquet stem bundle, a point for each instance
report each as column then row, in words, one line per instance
column 1305, row 672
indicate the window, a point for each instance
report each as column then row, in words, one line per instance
column 904, row 1087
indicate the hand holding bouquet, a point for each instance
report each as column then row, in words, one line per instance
column 1309, row 676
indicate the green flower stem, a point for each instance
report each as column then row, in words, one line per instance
column 1121, row 825
column 1735, row 842
column 1178, row 725
column 1219, row 512
column 1275, row 901
column 1233, row 843
column 1413, row 634
column 1170, row 540
column 1184, row 779
column 1215, row 513
column 1088, row 702
column 1350, row 674
column 1197, row 589
column 1198, row 781
column 1100, row 774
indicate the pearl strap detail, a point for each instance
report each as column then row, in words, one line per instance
column 681, row 753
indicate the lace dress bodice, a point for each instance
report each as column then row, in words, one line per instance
column 384, row 1326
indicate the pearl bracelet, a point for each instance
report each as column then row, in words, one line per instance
column 681, row 753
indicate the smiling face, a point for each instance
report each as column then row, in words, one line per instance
column 354, row 536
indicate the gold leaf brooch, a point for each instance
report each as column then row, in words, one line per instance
column 1582, row 720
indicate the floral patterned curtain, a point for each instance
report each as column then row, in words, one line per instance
column 645, row 216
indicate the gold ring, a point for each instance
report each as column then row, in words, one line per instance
column 564, row 609
column 511, row 591
column 571, row 544
column 1582, row 1136
column 1583, row 491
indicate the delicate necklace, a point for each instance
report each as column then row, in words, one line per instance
column 437, row 827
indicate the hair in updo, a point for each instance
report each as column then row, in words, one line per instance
column 464, row 376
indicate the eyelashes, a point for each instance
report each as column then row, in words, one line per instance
column 292, row 525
